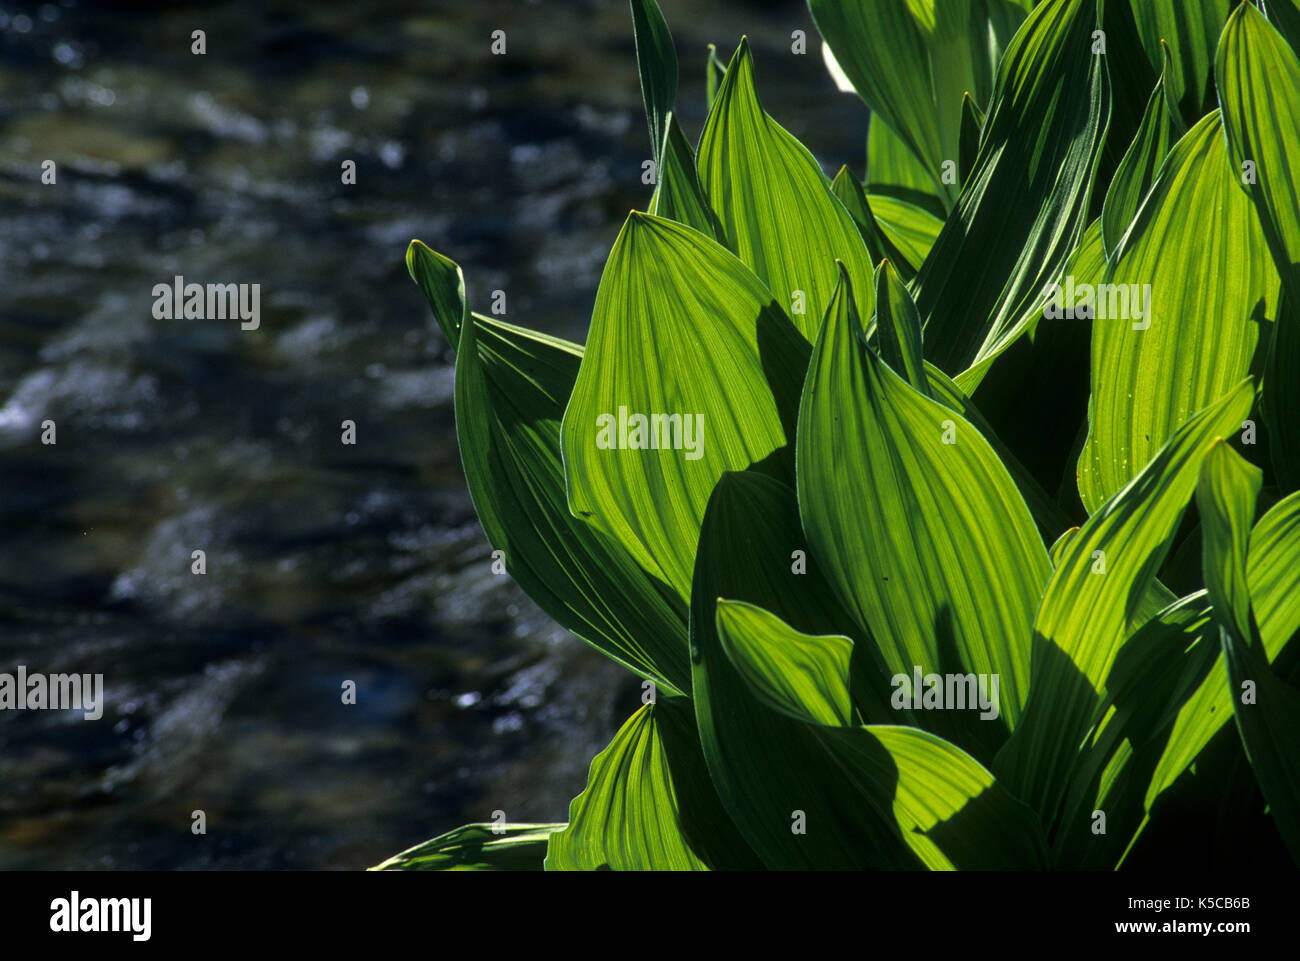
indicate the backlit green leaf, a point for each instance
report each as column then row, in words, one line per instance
column 1177, row 324
column 912, row 510
column 511, row 388
column 478, row 847
column 690, row 370
column 1088, row 607
column 1025, row 206
column 649, row 804
column 1191, row 28
column 774, row 203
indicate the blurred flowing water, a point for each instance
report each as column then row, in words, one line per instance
column 325, row 562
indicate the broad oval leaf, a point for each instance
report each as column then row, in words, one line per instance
column 775, row 207
column 690, row 370
column 914, row 513
column 1178, row 320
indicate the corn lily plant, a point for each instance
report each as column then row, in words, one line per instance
column 952, row 518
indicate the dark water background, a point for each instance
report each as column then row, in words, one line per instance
column 325, row 562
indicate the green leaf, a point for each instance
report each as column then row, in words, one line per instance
column 443, row 284
column 972, row 124
column 656, row 59
column 478, row 847
column 1280, row 401
column 511, row 388
column 846, row 187
column 766, row 765
column 1274, row 580
column 1225, row 497
column 899, row 329
column 1285, row 15
column 774, row 204
column 945, row 803
column 1047, row 514
column 1258, row 78
column 683, row 329
column 1191, row 28
column 951, row 810
column 910, row 507
column 1023, row 210
column 1274, row 575
column 1161, row 128
column 911, row 63
column 1270, row 732
column 678, row 196
column 649, row 804
column 1195, row 338
column 798, row 674
column 1087, row 610
column 910, row 228
column 1153, row 674
column 894, row 170
column 714, row 71
column 1266, row 708
column 1057, row 550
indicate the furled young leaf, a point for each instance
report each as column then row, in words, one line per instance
column 678, row 196
column 1088, row 607
column 770, row 770
column 1057, row 550
column 1191, row 28
column 774, row 204
column 972, row 124
column 948, row 807
column 649, row 804
column 656, row 59
column 1274, row 580
column 1025, row 207
column 478, row 847
column 681, row 329
column 1266, row 708
column 1161, row 128
column 714, row 71
column 1197, row 244
column 913, row 512
column 1258, row 78
column 511, row 388
column 899, row 329
column 850, row 193
column 911, row 63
